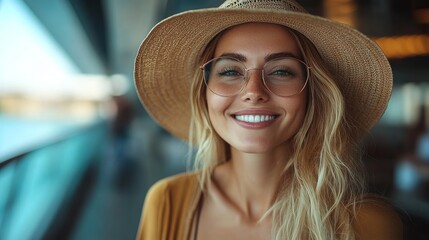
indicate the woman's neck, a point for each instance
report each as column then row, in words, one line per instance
column 251, row 181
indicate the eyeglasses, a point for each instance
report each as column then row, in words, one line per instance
column 228, row 76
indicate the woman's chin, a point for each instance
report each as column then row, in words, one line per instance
column 254, row 147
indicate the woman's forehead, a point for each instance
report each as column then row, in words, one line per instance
column 256, row 40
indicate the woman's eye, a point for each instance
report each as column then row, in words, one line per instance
column 228, row 73
column 281, row 73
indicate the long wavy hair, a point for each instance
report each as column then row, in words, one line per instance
column 323, row 184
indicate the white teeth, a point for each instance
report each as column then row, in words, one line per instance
column 254, row 118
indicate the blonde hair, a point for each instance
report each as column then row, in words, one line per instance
column 323, row 184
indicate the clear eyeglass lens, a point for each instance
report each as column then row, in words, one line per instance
column 227, row 76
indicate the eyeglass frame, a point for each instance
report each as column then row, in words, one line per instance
column 247, row 76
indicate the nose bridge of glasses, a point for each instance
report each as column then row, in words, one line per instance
column 254, row 69
column 258, row 81
column 259, row 77
column 248, row 70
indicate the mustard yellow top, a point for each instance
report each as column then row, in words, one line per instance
column 169, row 208
column 171, row 205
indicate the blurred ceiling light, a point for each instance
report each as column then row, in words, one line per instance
column 341, row 10
column 421, row 15
column 425, row 93
column 404, row 46
column 119, row 84
column 412, row 99
column 30, row 58
column 90, row 87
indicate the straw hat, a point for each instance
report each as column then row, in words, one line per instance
column 169, row 56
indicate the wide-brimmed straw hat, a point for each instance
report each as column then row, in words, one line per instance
column 169, row 56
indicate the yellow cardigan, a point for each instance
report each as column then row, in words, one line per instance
column 169, row 208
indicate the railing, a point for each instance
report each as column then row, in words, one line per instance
column 35, row 184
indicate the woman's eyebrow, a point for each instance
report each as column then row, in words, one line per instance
column 235, row 55
column 272, row 56
column 267, row 58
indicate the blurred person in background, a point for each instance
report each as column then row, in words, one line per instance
column 123, row 163
column 274, row 101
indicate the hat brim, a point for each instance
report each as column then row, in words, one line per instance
column 169, row 56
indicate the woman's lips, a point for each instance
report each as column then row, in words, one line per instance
column 254, row 120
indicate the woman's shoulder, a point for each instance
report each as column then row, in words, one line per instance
column 168, row 205
column 176, row 185
column 377, row 219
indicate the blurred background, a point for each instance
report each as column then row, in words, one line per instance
column 78, row 151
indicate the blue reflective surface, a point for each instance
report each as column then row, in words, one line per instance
column 33, row 188
column 18, row 135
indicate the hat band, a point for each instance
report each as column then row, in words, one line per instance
column 286, row 5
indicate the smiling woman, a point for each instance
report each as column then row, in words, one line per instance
column 233, row 118
column 272, row 109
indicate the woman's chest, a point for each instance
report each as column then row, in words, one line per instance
column 217, row 230
column 224, row 223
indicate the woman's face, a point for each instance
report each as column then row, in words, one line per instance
column 275, row 119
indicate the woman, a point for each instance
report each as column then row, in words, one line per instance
column 275, row 101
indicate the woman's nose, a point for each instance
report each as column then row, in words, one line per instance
column 255, row 90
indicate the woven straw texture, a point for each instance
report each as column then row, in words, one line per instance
column 168, row 58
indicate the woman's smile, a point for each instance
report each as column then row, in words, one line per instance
column 255, row 119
